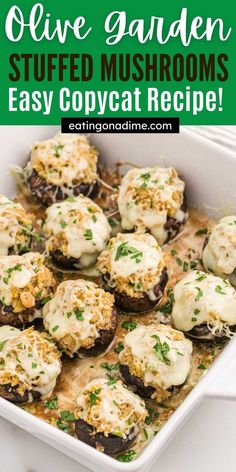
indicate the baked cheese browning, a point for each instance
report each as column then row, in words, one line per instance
column 29, row 361
column 158, row 355
column 219, row 254
column 148, row 197
column 201, row 298
column 134, row 263
column 24, row 281
column 77, row 313
column 15, row 227
column 111, row 408
column 65, row 160
column 78, row 228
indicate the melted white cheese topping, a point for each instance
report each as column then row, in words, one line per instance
column 65, row 159
column 134, row 263
column 76, row 314
column 78, row 228
column 203, row 298
column 158, row 354
column 112, row 409
column 219, row 255
column 148, row 196
column 28, row 360
column 18, row 272
column 13, row 233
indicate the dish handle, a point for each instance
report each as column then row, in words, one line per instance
column 223, row 386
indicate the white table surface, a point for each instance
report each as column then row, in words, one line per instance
column 205, row 444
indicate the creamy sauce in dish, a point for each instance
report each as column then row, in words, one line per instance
column 182, row 254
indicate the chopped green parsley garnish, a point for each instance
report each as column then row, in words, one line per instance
column 127, row 457
column 199, row 294
column 55, row 328
column 125, row 250
column 2, row 344
column 51, row 404
column 129, row 325
column 168, row 307
column 119, row 347
column 63, row 224
column 67, row 416
column 110, row 367
column 179, row 262
column 112, row 222
column 152, row 414
column 161, row 350
column 201, row 231
column 220, row 290
column 201, row 277
column 93, row 396
column 79, row 314
column 88, row 234
column 57, row 148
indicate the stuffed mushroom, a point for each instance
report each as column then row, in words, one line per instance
column 15, row 228
column 109, row 416
column 81, row 318
column 25, row 285
column 29, row 364
column 61, row 167
column 155, row 361
column 152, row 199
column 133, row 267
column 204, row 306
column 219, row 252
column 76, row 232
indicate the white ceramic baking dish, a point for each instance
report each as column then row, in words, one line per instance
column 209, row 171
